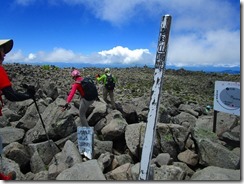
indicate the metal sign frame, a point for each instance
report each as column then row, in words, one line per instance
column 155, row 97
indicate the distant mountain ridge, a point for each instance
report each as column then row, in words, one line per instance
column 229, row 70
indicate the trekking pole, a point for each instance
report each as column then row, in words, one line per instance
column 37, row 108
column 43, row 125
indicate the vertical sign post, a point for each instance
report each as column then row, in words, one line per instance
column 155, row 97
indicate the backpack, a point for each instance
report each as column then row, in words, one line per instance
column 89, row 89
column 110, row 84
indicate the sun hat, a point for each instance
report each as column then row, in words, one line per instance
column 7, row 45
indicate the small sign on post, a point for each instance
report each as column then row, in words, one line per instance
column 85, row 139
column 227, row 98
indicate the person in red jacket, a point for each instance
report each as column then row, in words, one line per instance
column 7, row 90
column 84, row 104
column 5, row 84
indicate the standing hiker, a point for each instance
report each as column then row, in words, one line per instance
column 5, row 84
column 85, row 101
column 108, row 86
column 7, row 90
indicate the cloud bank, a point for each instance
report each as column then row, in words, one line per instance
column 118, row 55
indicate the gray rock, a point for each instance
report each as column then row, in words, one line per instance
column 184, row 117
column 105, row 160
column 115, row 129
column 214, row 154
column 188, row 157
column 84, row 171
column 216, row 174
column 129, row 113
column 121, row 173
column 188, row 109
column 11, row 134
column 46, row 150
column 10, row 115
column 135, row 169
column 102, row 147
column 41, row 176
column 189, row 172
column 71, row 154
column 168, row 172
column 31, row 117
column 163, row 159
column 37, row 163
column 132, row 137
column 58, row 124
column 19, row 153
column 98, row 113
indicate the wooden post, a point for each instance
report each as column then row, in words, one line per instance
column 155, row 99
column 215, row 121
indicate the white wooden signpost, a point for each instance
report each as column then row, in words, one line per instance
column 155, row 97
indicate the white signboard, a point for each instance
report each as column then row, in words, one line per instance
column 227, row 97
column 85, row 141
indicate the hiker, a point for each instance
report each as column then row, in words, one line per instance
column 7, row 90
column 84, row 104
column 108, row 86
column 5, row 84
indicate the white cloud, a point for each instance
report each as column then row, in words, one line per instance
column 187, row 14
column 214, row 48
column 124, row 55
column 31, row 56
column 14, row 56
column 60, row 54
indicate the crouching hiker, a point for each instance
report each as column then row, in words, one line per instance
column 7, row 90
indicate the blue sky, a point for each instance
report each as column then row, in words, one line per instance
column 203, row 32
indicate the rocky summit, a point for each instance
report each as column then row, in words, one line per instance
column 185, row 146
